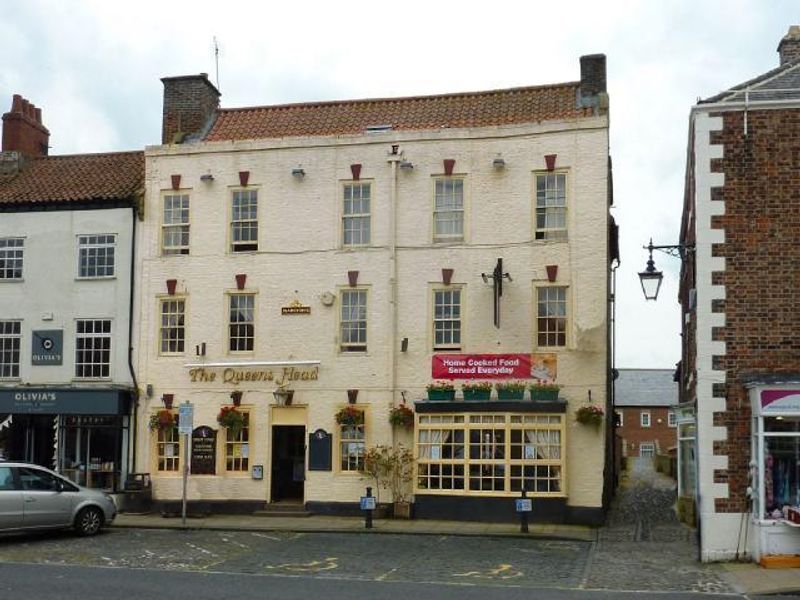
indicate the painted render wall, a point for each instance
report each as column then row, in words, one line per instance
column 300, row 257
column 50, row 286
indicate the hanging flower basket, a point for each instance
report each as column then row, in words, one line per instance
column 231, row 419
column 350, row 415
column 480, row 390
column 589, row 414
column 162, row 420
column 401, row 416
column 441, row 391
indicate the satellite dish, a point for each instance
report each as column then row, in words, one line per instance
column 327, row 298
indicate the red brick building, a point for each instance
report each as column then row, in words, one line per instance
column 642, row 406
column 741, row 338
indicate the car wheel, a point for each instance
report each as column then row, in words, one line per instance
column 89, row 521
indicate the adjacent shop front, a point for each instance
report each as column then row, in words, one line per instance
column 81, row 433
column 775, row 469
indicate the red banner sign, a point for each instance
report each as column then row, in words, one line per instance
column 481, row 366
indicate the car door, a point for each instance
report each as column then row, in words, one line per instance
column 10, row 500
column 45, row 504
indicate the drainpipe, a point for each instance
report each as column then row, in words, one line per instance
column 132, row 429
column 394, row 158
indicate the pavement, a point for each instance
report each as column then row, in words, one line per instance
column 642, row 542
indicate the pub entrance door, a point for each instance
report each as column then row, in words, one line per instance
column 288, row 463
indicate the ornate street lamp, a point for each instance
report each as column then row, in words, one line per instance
column 651, row 278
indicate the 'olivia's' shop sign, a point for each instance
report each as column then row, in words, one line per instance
column 481, row 366
column 780, row 402
column 236, row 376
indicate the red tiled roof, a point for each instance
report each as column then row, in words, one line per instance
column 74, row 178
column 471, row 109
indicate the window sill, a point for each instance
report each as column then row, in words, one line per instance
column 12, row 281
column 104, row 278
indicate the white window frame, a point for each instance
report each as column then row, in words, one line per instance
column 238, row 444
column 98, row 251
column 249, row 319
column 353, row 323
column 175, row 221
column 672, row 419
column 12, row 258
column 98, row 342
column 551, row 336
column 457, row 323
column 245, row 221
column 456, row 209
column 647, row 449
column 172, row 320
column 550, row 204
column 10, row 347
column 356, row 222
column 620, row 417
column 645, row 419
column 352, row 447
column 163, row 438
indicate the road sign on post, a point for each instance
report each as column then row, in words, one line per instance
column 185, row 422
column 524, row 505
column 185, row 418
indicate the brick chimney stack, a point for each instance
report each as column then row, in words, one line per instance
column 592, row 90
column 789, row 46
column 190, row 104
column 23, row 130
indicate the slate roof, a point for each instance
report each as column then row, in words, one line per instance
column 781, row 83
column 646, row 387
column 350, row 117
column 75, row 178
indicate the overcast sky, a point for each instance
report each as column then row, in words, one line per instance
column 94, row 69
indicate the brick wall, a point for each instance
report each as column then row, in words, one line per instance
column 189, row 102
column 633, row 434
column 761, row 220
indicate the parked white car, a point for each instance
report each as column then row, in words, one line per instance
column 34, row 498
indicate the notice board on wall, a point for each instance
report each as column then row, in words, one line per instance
column 319, row 451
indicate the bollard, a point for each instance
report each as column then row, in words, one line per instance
column 368, row 511
column 523, row 511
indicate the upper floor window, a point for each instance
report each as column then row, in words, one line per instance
column 175, row 224
column 551, row 206
column 356, row 214
column 551, row 316
column 672, row 419
column 447, row 319
column 96, row 255
column 244, row 221
column 448, row 210
column 644, row 419
column 172, row 330
column 93, row 349
column 620, row 420
column 353, row 324
column 11, row 252
column 241, row 323
column 10, row 338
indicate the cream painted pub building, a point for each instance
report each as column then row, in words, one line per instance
column 307, row 263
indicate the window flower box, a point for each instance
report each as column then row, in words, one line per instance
column 545, row 392
column 441, row 391
column 479, row 391
column 510, row 390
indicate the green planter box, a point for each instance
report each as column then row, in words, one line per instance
column 441, row 395
column 510, row 394
column 544, row 395
column 478, row 395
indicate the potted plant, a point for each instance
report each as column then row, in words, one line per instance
column 230, row 418
column 544, row 392
column 480, row 390
column 162, row 420
column 510, row 390
column 401, row 416
column 392, row 468
column 350, row 415
column 441, row 391
column 589, row 414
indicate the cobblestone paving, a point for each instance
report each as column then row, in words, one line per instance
column 643, row 545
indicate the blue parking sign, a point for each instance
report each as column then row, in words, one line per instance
column 524, row 505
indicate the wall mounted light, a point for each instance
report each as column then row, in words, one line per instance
column 499, row 163
column 404, row 345
column 207, row 177
column 651, row 278
column 148, row 390
column 298, row 172
column 406, row 165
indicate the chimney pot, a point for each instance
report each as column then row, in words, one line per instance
column 23, row 131
column 789, row 46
